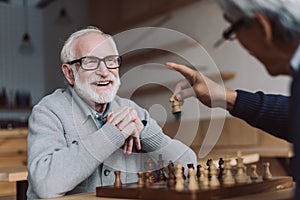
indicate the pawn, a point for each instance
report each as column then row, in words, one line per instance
column 267, row 174
column 205, row 182
column 241, row 176
column 198, row 173
column 179, row 186
column 148, row 181
column 228, row 178
column 141, row 182
column 253, row 175
column 221, row 168
column 201, row 177
column 208, row 164
column 193, row 184
column 171, row 178
column 214, row 181
column 183, row 175
column 161, row 174
column 118, row 182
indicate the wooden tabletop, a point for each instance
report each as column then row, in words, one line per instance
column 12, row 174
column 274, row 195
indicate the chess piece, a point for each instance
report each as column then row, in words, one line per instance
column 198, row 173
column 267, row 174
column 221, row 168
column 147, row 182
column 160, row 161
column 241, row 176
column 150, row 169
column 161, row 174
column 171, row 175
column 228, row 177
column 253, row 175
column 190, row 165
column 214, row 181
column 141, row 182
column 118, row 182
column 193, row 184
column 205, row 182
column 179, row 186
column 183, row 175
column 201, row 177
column 176, row 107
column 208, row 163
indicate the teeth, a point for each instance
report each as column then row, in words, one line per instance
column 102, row 83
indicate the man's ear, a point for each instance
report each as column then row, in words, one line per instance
column 265, row 25
column 66, row 69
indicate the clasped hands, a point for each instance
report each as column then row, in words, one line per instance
column 127, row 121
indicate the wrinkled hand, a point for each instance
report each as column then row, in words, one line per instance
column 198, row 85
column 128, row 122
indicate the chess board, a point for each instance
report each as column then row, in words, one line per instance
column 160, row 191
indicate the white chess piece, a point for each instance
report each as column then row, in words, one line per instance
column 193, row 184
column 254, row 175
column 179, row 186
column 241, row 176
column 205, row 182
column 228, row 177
column 267, row 174
column 214, row 181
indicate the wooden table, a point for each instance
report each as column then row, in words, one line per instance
column 286, row 194
column 18, row 175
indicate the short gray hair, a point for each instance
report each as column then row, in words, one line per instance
column 66, row 53
column 284, row 15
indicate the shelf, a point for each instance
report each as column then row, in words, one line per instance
column 19, row 108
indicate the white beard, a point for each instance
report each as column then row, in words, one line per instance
column 85, row 91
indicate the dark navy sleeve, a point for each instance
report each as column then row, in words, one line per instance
column 295, row 129
column 268, row 112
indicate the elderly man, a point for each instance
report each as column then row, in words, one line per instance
column 76, row 135
column 270, row 31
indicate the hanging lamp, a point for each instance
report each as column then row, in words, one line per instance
column 26, row 46
column 63, row 16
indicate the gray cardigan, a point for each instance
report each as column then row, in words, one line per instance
column 68, row 153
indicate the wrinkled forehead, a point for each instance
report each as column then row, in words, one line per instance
column 94, row 44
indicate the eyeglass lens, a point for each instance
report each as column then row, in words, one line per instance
column 91, row 63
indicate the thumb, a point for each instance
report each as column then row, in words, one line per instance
column 185, row 93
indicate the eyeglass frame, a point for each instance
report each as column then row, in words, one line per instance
column 228, row 32
column 99, row 59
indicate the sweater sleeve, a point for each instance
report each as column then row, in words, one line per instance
column 53, row 162
column 268, row 112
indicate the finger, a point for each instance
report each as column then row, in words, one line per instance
column 138, row 143
column 129, row 145
column 183, row 84
column 136, row 137
column 132, row 131
column 180, row 86
column 187, row 72
column 124, row 147
column 131, row 116
column 186, row 93
column 117, row 116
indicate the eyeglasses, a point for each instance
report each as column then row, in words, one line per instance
column 229, row 33
column 92, row 62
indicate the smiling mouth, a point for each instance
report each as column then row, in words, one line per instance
column 102, row 83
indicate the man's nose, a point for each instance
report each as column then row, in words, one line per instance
column 102, row 69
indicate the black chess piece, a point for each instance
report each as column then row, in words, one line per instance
column 183, row 175
column 171, row 180
column 208, row 164
column 161, row 172
column 221, row 168
column 198, row 172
